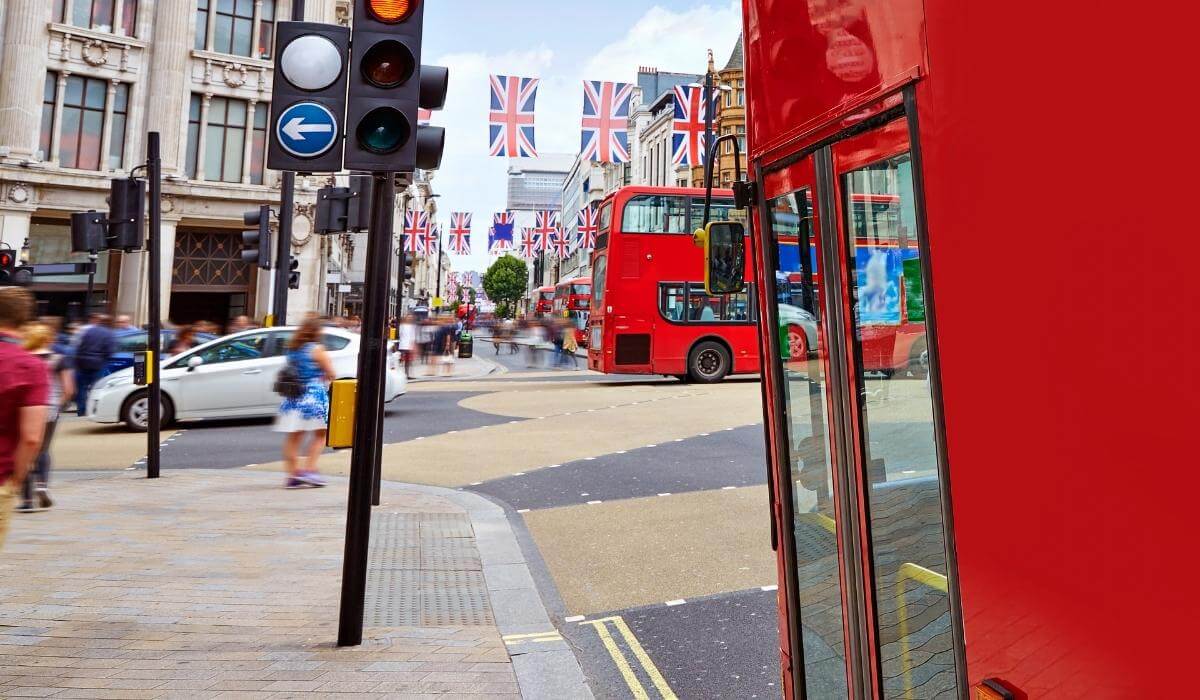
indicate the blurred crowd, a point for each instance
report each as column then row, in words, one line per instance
column 429, row 345
column 547, row 342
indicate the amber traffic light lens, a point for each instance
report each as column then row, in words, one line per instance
column 391, row 11
column 388, row 64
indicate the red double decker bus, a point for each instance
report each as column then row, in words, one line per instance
column 650, row 314
column 973, row 527
column 541, row 302
column 573, row 301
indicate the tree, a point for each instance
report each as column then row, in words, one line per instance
column 504, row 282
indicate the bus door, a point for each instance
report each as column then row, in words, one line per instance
column 869, row 581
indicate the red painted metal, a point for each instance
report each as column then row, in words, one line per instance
column 1067, row 389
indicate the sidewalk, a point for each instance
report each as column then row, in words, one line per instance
column 222, row 584
column 475, row 367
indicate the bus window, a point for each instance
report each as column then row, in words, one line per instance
column 654, row 213
column 724, row 308
column 719, row 210
column 599, row 270
column 673, row 302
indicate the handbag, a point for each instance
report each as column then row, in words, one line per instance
column 288, row 384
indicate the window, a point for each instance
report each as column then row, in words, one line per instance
column 49, row 93
column 120, row 115
column 652, row 213
column 82, row 123
column 135, row 342
column 216, row 140
column 690, row 304
column 227, row 26
column 249, row 347
column 720, row 210
column 599, row 272
column 98, row 15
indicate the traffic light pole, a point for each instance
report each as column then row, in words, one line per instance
column 154, row 265
column 366, row 457
column 287, row 213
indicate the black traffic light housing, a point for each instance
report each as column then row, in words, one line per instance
column 293, row 272
column 12, row 273
column 409, row 260
column 288, row 92
column 87, row 232
column 388, row 85
column 256, row 243
column 127, row 214
column 343, row 209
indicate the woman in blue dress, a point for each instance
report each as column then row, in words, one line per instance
column 308, row 413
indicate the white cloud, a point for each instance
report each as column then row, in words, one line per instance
column 470, row 180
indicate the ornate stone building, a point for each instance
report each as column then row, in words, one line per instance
column 81, row 83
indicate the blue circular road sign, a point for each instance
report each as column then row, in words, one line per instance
column 306, row 129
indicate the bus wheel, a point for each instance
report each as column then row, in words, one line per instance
column 918, row 359
column 708, row 363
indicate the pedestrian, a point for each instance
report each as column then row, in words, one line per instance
column 184, row 340
column 39, row 340
column 308, row 412
column 122, row 323
column 446, row 346
column 241, row 323
column 24, row 394
column 569, row 346
column 406, row 340
column 92, row 353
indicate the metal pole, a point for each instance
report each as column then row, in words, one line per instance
column 283, row 248
column 438, row 293
column 365, row 458
column 708, row 139
column 91, row 285
column 154, row 267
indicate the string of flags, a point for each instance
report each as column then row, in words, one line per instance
column 604, row 138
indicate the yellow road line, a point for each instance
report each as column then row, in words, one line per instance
column 631, row 679
column 531, row 634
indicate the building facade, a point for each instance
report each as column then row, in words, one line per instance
column 81, row 84
column 536, row 184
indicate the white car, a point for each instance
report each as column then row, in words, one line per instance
column 230, row 377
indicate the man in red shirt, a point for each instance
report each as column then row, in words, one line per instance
column 24, row 393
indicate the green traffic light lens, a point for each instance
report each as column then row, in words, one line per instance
column 388, row 64
column 383, row 130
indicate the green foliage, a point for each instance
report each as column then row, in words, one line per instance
column 504, row 282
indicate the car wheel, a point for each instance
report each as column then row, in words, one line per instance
column 709, row 362
column 797, row 343
column 135, row 413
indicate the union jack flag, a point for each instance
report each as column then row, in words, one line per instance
column 433, row 238
column 460, row 233
column 500, row 236
column 560, row 245
column 606, row 121
column 589, row 227
column 688, row 131
column 531, row 244
column 545, row 226
column 416, row 230
column 511, row 116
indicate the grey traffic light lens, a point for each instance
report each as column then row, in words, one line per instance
column 383, row 130
column 388, row 64
column 311, row 62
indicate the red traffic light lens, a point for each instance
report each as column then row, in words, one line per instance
column 391, row 11
column 388, row 64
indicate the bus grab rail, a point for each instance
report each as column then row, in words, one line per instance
column 912, row 572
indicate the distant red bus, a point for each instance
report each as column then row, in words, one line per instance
column 542, row 302
column 573, row 301
column 650, row 314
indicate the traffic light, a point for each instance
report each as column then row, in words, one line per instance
column 342, row 209
column 308, row 97
column 293, row 272
column 256, row 244
column 87, row 232
column 12, row 273
column 388, row 85
column 127, row 214
column 409, row 260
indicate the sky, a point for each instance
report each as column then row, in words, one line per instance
column 561, row 42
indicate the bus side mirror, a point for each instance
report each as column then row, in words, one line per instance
column 724, row 244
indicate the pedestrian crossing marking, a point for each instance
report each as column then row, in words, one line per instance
column 623, row 665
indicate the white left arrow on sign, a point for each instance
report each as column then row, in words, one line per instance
column 296, row 128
